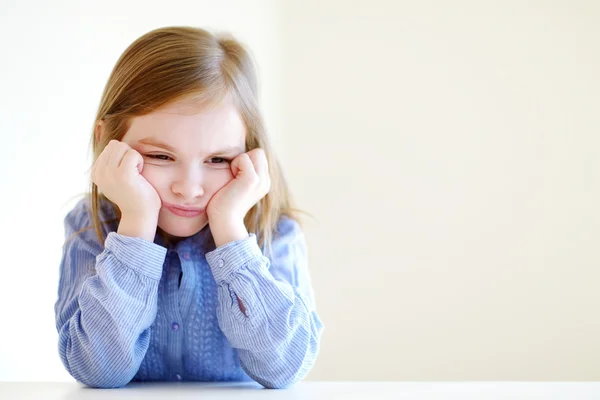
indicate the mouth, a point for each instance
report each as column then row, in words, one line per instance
column 184, row 211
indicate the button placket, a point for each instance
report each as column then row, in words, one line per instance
column 172, row 313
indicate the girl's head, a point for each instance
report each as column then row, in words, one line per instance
column 187, row 100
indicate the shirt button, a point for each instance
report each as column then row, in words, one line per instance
column 177, row 377
column 220, row 263
column 175, row 326
column 186, row 256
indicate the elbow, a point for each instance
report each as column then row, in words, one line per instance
column 282, row 379
column 284, row 373
column 102, row 377
column 98, row 366
column 294, row 367
column 283, row 360
column 279, row 383
column 101, row 374
column 100, row 381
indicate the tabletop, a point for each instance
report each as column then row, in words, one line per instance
column 309, row 390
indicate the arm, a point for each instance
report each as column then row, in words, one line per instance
column 107, row 300
column 266, row 306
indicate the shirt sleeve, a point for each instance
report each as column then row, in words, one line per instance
column 107, row 301
column 278, row 336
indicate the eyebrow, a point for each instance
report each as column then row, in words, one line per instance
column 157, row 143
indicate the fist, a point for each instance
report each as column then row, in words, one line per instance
column 250, row 184
column 118, row 174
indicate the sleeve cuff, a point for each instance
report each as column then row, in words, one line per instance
column 229, row 258
column 142, row 256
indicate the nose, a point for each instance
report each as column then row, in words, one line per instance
column 189, row 183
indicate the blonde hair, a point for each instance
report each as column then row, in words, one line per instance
column 172, row 63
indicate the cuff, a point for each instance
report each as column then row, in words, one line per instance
column 229, row 258
column 142, row 256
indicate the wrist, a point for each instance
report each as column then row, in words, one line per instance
column 226, row 231
column 138, row 225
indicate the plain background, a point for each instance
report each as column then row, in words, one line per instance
column 447, row 150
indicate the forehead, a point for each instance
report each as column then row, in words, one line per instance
column 186, row 126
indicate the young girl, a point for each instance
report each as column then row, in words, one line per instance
column 186, row 262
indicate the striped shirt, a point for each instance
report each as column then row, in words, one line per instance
column 136, row 310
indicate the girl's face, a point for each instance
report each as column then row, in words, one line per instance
column 187, row 152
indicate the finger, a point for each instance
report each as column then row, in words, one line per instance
column 132, row 160
column 261, row 165
column 103, row 159
column 234, row 166
column 117, row 153
column 246, row 168
column 105, row 153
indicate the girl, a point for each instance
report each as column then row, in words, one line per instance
column 186, row 262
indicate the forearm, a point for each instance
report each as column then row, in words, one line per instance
column 104, row 326
column 141, row 226
column 278, row 342
column 97, row 346
column 276, row 332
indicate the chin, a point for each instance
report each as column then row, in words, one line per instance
column 183, row 227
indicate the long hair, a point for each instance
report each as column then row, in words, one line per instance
column 172, row 63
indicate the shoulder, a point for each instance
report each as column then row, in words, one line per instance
column 289, row 254
column 288, row 238
column 79, row 220
column 287, row 226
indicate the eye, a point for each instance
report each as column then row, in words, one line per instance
column 219, row 160
column 161, row 157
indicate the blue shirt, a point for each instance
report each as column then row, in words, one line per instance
column 134, row 310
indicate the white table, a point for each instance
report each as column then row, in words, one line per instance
column 310, row 391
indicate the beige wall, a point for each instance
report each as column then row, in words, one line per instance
column 449, row 154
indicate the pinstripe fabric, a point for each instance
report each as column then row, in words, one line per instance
column 122, row 313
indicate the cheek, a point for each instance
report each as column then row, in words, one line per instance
column 218, row 179
column 154, row 175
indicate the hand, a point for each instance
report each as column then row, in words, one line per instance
column 250, row 184
column 117, row 173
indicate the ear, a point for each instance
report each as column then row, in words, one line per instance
column 98, row 131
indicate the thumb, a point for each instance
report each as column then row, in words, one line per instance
column 133, row 158
column 240, row 165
